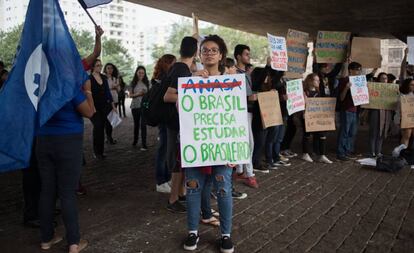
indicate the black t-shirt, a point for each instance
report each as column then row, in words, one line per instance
column 177, row 70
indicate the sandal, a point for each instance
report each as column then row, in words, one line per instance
column 215, row 213
column 213, row 221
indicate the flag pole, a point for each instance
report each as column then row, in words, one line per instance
column 87, row 12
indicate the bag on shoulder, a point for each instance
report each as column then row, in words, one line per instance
column 390, row 164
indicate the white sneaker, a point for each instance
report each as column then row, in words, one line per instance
column 412, row 167
column 324, row 159
column 306, row 157
column 163, row 188
column 283, row 158
column 398, row 149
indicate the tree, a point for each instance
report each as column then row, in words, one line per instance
column 115, row 53
column 84, row 41
column 157, row 52
column 8, row 45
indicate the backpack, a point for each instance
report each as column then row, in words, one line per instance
column 408, row 155
column 154, row 110
column 390, row 164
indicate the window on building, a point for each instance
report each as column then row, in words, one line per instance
column 395, row 55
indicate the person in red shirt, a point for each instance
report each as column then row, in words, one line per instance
column 90, row 59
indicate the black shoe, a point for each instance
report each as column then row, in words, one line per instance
column 182, row 199
column 238, row 195
column 111, row 141
column 176, row 207
column 343, row 158
column 134, row 143
column 262, row 169
column 191, row 242
column 226, row 245
column 99, row 157
column 351, row 157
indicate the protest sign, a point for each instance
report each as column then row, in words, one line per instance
column 213, row 120
column 278, row 52
column 331, row 47
column 410, row 44
column 359, row 90
column 270, row 108
column 296, row 100
column 320, row 114
column 382, row 96
column 297, row 50
column 407, row 111
column 367, row 52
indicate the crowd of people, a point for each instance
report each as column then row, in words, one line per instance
column 57, row 158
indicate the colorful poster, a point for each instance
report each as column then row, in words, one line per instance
column 320, row 114
column 382, row 96
column 331, row 47
column 410, row 44
column 296, row 100
column 359, row 90
column 297, row 50
column 407, row 111
column 213, row 120
column 367, row 52
column 278, row 52
column 270, row 108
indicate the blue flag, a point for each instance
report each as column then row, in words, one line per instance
column 46, row 74
column 92, row 3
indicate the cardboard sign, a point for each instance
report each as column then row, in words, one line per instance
column 278, row 52
column 297, row 50
column 270, row 108
column 296, row 100
column 382, row 96
column 320, row 114
column 410, row 44
column 359, row 90
column 367, row 52
column 407, row 111
column 213, row 120
column 331, row 47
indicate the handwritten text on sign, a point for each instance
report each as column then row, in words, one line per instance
column 297, row 49
column 320, row 114
column 278, row 51
column 331, row 47
column 383, row 96
column 407, row 111
column 359, row 90
column 296, row 100
column 213, row 120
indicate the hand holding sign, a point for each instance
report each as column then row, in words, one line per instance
column 359, row 90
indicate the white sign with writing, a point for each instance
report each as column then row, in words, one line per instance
column 359, row 90
column 278, row 52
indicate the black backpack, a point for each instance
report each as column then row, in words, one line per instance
column 408, row 155
column 154, row 110
column 390, row 164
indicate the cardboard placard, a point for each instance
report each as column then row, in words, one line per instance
column 270, row 108
column 278, row 52
column 410, row 44
column 367, row 52
column 359, row 90
column 296, row 99
column 331, row 47
column 320, row 114
column 383, row 96
column 407, row 111
column 297, row 50
column 213, row 120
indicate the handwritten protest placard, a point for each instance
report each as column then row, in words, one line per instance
column 278, row 52
column 213, row 120
column 270, row 108
column 296, row 100
column 297, row 50
column 367, row 52
column 407, row 111
column 410, row 44
column 382, row 96
column 359, row 90
column 320, row 114
column 331, row 47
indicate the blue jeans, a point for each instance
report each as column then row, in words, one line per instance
column 162, row 173
column 278, row 138
column 347, row 132
column 199, row 186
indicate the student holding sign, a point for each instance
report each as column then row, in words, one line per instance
column 199, row 181
column 348, row 115
column 405, row 118
column 312, row 89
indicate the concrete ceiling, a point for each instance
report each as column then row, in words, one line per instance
column 384, row 19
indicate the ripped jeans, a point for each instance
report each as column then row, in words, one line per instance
column 199, row 186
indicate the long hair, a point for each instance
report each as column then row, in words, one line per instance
column 115, row 72
column 222, row 47
column 135, row 80
column 309, row 82
column 405, row 86
column 162, row 66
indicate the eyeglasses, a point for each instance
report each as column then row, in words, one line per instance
column 212, row 51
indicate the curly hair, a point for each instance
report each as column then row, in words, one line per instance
column 162, row 66
column 222, row 47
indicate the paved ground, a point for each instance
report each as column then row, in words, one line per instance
column 303, row 208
